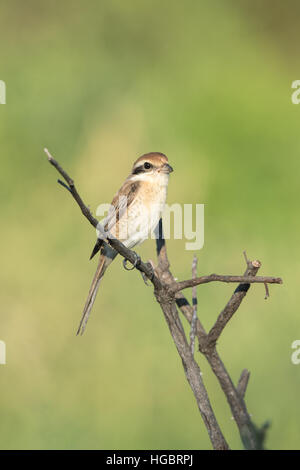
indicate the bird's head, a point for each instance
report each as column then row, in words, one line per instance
column 153, row 164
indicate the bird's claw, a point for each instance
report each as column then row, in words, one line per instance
column 134, row 265
column 145, row 279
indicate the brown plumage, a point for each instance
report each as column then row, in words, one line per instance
column 156, row 158
column 128, row 191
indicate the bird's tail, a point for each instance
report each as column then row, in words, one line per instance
column 104, row 261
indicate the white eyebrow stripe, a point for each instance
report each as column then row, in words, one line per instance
column 142, row 162
column 140, row 177
column 139, row 165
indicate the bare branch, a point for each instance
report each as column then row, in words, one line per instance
column 220, row 278
column 193, row 374
column 233, row 303
column 243, row 383
column 248, row 431
column 246, row 257
column 194, row 301
column 71, row 186
column 161, row 249
column 238, row 408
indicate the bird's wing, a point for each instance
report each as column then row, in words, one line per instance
column 119, row 206
column 121, row 202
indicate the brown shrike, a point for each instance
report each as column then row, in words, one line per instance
column 134, row 213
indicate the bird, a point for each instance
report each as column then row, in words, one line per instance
column 135, row 211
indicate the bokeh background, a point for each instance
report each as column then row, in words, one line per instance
column 99, row 83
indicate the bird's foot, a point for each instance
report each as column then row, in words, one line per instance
column 134, row 265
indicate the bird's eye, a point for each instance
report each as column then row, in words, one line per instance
column 147, row 165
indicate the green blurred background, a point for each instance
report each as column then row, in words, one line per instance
column 99, row 83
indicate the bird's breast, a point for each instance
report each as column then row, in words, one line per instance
column 144, row 213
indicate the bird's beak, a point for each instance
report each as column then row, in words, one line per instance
column 168, row 168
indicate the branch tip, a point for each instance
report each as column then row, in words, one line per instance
column 246, row 257
column 49, row 156
column 64, row 185
column 256, row 263
column 243, row 383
